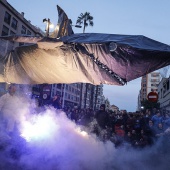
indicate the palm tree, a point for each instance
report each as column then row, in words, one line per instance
column 85, row 19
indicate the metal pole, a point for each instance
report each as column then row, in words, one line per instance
column 48, row 27
column 64, row 96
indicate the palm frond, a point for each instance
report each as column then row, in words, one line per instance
column 85, row 19
column 91, row 23
column 86, row 24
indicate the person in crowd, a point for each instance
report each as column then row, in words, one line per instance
column 137, row 123
column 124, row 117
column 75, row 115
column 130, row 123
column 8, row 109
column 134, row 138
column 86, row 117
column 147, row 116
column 154, row 111
column 150, row 131
column 142, row 120
column 102, row 117
column 102, row 120
column 119, row 127
column 159, row 131
column 68, row 113
column 157, row 118
column 143, row 141
column 112, row 120
column 56, row 103
column 166, row 121
column 128, row 137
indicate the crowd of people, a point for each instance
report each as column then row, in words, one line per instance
column 138, row 129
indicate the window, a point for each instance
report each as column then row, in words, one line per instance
column 154, row 80
column 155, row 75
column 23, row 31
column 12, row 33
column 5, row 30
column 70, row 88
column 58, row 92
column 28, row 32
column 71, row 97
column 7, row 18
column 154, row 85
column 78, row 86
column 14, row 23
column 68, row 96
column 59, row 86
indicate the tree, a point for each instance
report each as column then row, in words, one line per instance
column 85, row 19
column 150, row 105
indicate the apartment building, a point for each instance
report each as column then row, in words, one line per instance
column 12, row 22
column 164, row 94
column 149, row 83
column 80, row 95
column 69, row 94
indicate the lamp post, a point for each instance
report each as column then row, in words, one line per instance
column 48, row 23
column 142, row 108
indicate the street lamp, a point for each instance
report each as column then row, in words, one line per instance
column 48, row 25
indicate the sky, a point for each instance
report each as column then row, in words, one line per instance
column 129, row 17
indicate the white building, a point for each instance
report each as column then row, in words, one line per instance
column 149, row 83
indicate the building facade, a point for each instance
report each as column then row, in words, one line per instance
column 149, row 83
column 164, row 94
column 81, row 95
column 12, row 22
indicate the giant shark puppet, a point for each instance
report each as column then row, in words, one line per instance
column 65, row 57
